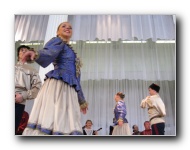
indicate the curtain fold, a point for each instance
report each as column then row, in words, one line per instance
column 125, row 27
column 133, row 61
column 30, row 27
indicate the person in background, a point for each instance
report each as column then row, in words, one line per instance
column 136, row 130
column 27, row 84
column 121, row 124
column 148, row 130
column 156, row 110
column 88, row 130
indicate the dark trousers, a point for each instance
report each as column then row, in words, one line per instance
column 158, row 129
column 19, row 109
column 111, row 130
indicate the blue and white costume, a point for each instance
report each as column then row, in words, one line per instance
column 56, row 109
column 120, row 114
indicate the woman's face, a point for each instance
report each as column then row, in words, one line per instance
column 65, row 30
column 116, row 97
column 89, row 124
column 136, row 128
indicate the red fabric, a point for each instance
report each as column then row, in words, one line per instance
column 156, row 129
column 146, row 132
column 23, row 122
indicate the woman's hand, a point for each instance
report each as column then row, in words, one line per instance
column 120, row 123
column 84, row 110
column 28, row 56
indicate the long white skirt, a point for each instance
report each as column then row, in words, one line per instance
column 122, row 130
column 55, row 111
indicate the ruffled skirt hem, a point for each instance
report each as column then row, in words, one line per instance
column 56, row 110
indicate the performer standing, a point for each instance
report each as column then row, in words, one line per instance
column 56, row 109
column 27, row 84
column 156, row 110
column 121, row 124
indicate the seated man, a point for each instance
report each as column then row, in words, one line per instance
column 148, row 130
column 136, row 130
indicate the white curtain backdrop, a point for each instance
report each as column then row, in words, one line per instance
column 130, row 68
column 133, row 61
column 125, row 27
column 30, row 27
column 110, row 66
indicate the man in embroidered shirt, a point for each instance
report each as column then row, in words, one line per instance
column 156, row 110
column 27, row 85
